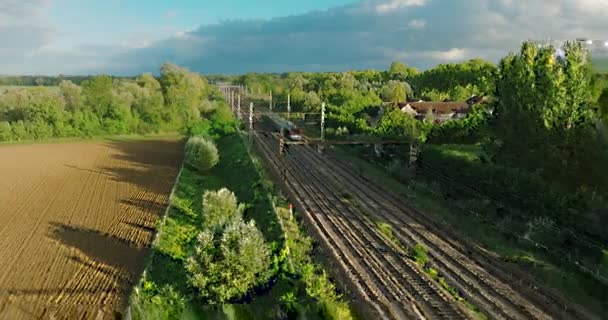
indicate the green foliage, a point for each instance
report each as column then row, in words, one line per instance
column 394, row 91
column 544, row 108
column 445, row 77
column 98, row 95
column 183, row 91
column 420, row 254
column 157, row 303
column 387, row 230
column 227, row 265
column 186, row 206
column 219, row 208
column 471, row 129
column 399, row 71
column 5, row 131
column 395, row 123
column 105, row 105
column 201, row 153
column 603, row 105
column 176, row 239
column 72, row 95
column 435, row 95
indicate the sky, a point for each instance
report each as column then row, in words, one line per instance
column 128, row 37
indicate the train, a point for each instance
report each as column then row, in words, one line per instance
column 286, row 127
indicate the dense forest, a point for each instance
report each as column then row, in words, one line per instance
column 103, row 105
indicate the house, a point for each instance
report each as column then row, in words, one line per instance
column 439, row 111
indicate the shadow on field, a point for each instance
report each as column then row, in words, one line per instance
column 153, row 206
column 150, row 153
column 110, row 252
column 151, row 165
column 88, row 170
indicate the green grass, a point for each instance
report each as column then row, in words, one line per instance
column 165, row 293
column 468, row 152
column 427, row 197
column 387, row 231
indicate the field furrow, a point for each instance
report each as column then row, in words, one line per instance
column 78, row 220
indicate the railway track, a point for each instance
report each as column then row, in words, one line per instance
column 388, row 280
column 402, row 288
column 467, row 262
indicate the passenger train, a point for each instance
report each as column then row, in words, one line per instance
column 288, row 128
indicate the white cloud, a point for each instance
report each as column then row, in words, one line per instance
column 366, row 34
column 393, row 5
column 453, row 54
column 417, row 23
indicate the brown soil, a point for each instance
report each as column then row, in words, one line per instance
column 77, row 221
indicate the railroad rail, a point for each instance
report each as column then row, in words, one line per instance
column 388, row 280
column 395, row 281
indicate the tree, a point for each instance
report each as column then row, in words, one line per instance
column 394, row 91
column 226, row 265
column 72, row 95
column 445, row 77
column 19, row 131
column 398, row 124
column 151, row 104
column 183, row 92
column 603, row 105
column 399, row 71
column 97, row 93
column 435, row 95
column 201, row 153
column 544, row 108
column 220, row 207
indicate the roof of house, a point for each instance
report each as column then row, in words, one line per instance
column 437, row 107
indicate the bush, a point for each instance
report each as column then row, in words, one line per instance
column 225, row 266
column 201, row 154
column 420, row 255
column 5, row 131
column 220, row 207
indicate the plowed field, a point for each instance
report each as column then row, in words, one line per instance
column 76, row 224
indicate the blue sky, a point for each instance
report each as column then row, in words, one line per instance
column 234, row 36
column 123, row 21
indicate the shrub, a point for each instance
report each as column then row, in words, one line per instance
column 225, row 266
column 5, row 131
column 420, row 254
column 201, row 154
column 220, row 207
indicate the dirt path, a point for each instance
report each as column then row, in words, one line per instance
column 76, row 224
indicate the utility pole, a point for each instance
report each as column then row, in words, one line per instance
column 282, row 142
column 413, row 159
column 232, row 100
column 238, row 108
column 271, row 100
column 322, row 127
column 282, row 153
column 288, row 106
column 251, row 122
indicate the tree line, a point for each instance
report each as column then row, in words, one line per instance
column 546, row 116
column 104, row 105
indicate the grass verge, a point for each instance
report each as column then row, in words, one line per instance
column 298, row 288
